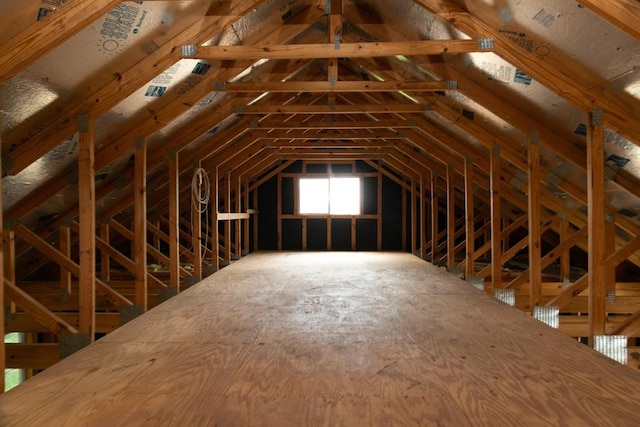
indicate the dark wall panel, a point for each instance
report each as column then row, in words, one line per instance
column 317, row 234
column 268, row 217
column 341, row 234
column 292, row 234
column 366, row 235
column 391, row 215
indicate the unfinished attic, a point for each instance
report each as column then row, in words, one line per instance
column 320, row 212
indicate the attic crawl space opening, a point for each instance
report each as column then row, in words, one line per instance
column 497, row 139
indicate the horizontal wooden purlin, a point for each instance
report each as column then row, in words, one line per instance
column 228, row 216
column 22, row 322
column 367, row 124
column 332, row 109
column 331, row 144
column 31, row 356
column 352, row 135
column 334, row 87
column 337, row 50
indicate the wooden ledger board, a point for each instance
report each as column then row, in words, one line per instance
column 330, row 339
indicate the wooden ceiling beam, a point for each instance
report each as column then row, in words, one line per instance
column 333, row 125
column 44, row 35
column 123, row 85
column 332, row 109
column 569, row 79
column 624, row 14
column 336, row 50
column 336, row 87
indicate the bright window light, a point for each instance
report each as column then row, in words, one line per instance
column 334, row 196
column 314, row 196
column 344, row 196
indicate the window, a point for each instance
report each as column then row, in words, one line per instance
column 12, row 376
column 333, row 196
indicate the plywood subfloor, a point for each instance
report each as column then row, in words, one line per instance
column 330, row 339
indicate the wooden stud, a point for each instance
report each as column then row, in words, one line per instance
column 279, row 211
column 610, row 248
column 215, row 212
column 379, row 211
column 596, row 222
column 174, row 225
column 469, row 217
column 534, row 196
column 227, row 224
column 65, row 248
column 105, row 260
column 565, row 259
column 87, row 216
column 238, row 222
column 451, row 218
column 256, row 207
column 9, row 263
column 246, row 222
column 414, row 217
column 140, row 223
column 496, row 221
column 423, row 217
column 4, row 257
column 434, row 217
column 403, row 218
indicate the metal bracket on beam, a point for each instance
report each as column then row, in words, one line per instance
column 240, row 109
column 507, row 296
column 534, row 137
column 611, row 296
column 549, row 315
column 333, row 81
column 336, row 43
column 427, row 107
column 165, row 294
column 476, row 281
column 220, row 86
column 83, row 123
column 452, row 85
column 485, row 44
column 456, row 270
column 609, row 217
column 612, row 346
column 189, row 50
column 70, row 343
column 129, row 312
column 139, row 142
column 597, row 117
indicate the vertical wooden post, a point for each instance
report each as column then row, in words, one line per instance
column 596, row 223
column 255, row 220
column 247, row 221
column 9, row 263
column 469, row 216
column 105, row 260
column 379, row 212
column 423, row 218
column 3, row 255
column 335, row 38
column 215, row 235
column 434, row 217
column 451, row 218
column 535, row 255
column 65, row 248
column 610, row 247
column 87, row 214
column 414, row 217
column 196, row 229
column 140, row 222
column 496, row 222
column 404, row 218
column 174, row 220
column 565, row 263
column 227, row 224
column 238, row 222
